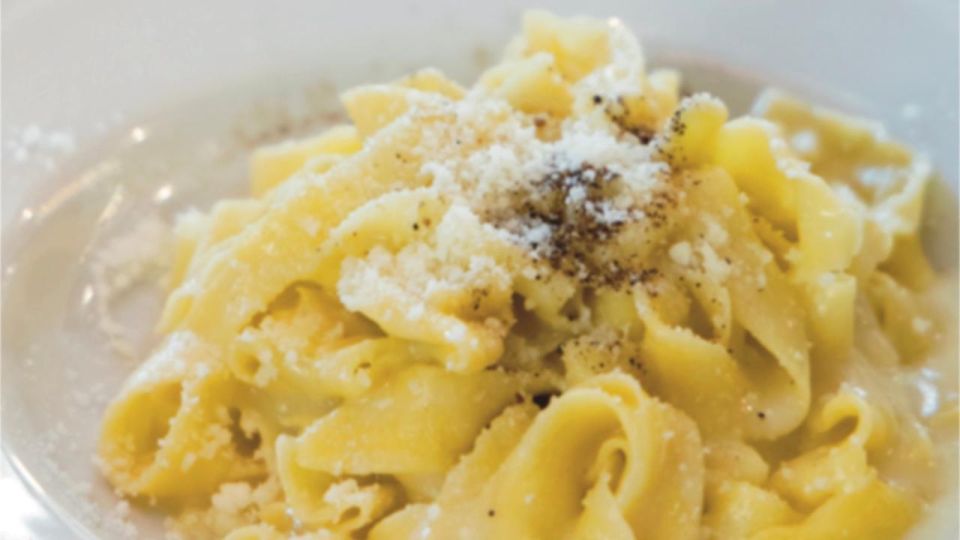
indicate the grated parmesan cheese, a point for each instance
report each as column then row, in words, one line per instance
column 681, row 253
column 125, row 261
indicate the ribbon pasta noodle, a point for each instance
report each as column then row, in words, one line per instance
column 564, row 303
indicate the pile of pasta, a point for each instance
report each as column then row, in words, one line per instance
column 565, row 303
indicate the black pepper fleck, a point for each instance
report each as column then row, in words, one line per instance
column 542, row 400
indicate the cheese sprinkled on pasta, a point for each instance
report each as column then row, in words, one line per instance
column 563, row 303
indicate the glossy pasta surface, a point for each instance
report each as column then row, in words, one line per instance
column 566, row 302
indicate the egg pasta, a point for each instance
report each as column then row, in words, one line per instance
column 567, row 302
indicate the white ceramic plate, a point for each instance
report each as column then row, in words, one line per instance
column 116, row 112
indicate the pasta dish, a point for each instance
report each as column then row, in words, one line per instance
column 568, row 302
